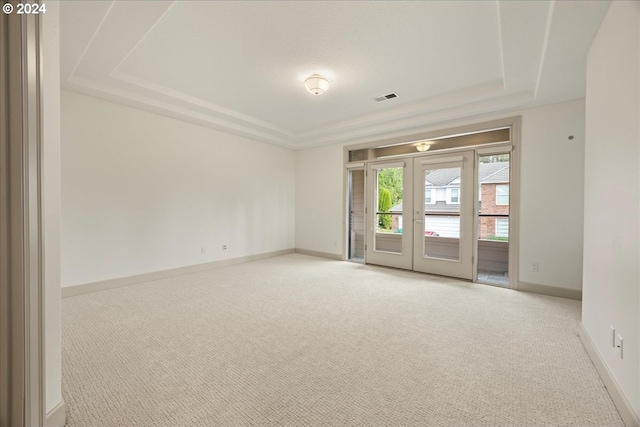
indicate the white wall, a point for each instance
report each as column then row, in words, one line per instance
column 551, row 221
column 320, row 199
column 611, row 294
column 143, row 192
column 51, row 204
column 552, row 194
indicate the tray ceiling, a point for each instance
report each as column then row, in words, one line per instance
column 239, row 66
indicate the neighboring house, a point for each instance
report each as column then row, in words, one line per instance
column 494, row 200
column 442, row 196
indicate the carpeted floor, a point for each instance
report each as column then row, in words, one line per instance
column 297, row 341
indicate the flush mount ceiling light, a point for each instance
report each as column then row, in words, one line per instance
column 316, row 84
column 423, row 146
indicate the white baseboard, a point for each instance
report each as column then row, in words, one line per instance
column 338, row 257
column 103, row 285
column 627, row 413
column 57, row 417
column 550, row 290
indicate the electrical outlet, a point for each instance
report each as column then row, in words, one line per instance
column 224, row 247
column 612, row 336
column 535, row 267
column 620, row 347
column 202, row 250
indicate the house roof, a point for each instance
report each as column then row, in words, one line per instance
column 489, row 173
column 442, row 177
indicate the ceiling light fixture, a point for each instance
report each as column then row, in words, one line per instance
column 423, row 146
column 316, row 84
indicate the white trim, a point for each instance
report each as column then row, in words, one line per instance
column 628, row 415
column 57, row 417
column 514, row 201
column 388, row 165
column 545, row 44
column 552, row 291
column 500, row 148
column 103, row 285
column 191, row 112
column 328, row 255
column 355, row 165
column 451, row 159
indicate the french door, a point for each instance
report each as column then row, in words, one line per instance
column 420, row 214
column 389, row 214
column 444, row 215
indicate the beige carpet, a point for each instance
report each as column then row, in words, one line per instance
column 297, row 341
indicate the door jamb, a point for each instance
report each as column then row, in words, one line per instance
column 21, row 285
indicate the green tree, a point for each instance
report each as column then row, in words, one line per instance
column 391, row 180
column 384, row 204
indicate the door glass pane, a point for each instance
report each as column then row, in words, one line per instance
column 388, row 217
column 442, row 213
column 493, row 219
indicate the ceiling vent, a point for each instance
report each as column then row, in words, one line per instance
column 386, row 97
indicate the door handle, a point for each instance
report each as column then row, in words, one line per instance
column 419, row 221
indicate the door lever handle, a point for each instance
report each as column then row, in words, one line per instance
column 419, row 221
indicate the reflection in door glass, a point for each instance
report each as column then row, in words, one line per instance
column 442, row 195
column 388, row 219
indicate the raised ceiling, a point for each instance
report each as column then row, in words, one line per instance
column 239, row 66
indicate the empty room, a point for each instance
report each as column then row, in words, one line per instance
column 320, row 213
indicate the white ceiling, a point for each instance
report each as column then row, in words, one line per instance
column 239, row 66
